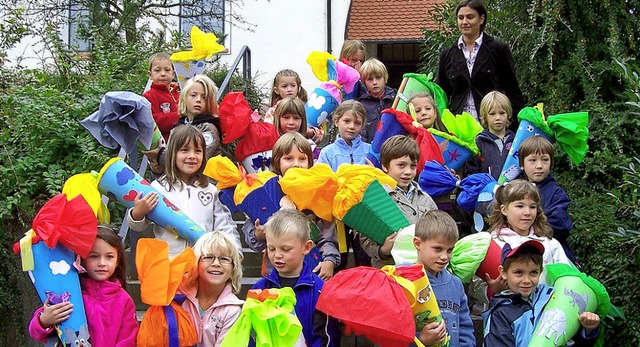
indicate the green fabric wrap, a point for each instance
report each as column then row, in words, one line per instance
column 467, row 255
column 571, row 132
column 439, row 96
column 462, row 128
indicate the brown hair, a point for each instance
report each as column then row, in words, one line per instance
column 350, row 47
column 437, row 124
column 397, row 147
column 436, row 223
column 513, row 191
column 350, row 105
column 525, row 253
column 489, row 101
column 210, row 94
column 535, row 145
column 275, row 97
column 110, row 235
column 293, row 106
column 182, row 136
column 159, row 56
column 284, row 145
column 476, row 5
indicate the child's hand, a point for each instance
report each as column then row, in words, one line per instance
column 142, row 206
column 589, row 321
column 54, row 314
column 433, row 333
column 325, row 269
column 259, row 232
column 496, row 285
column 388, row 244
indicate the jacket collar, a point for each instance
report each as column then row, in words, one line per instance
column 343, row 144
column 305, row 279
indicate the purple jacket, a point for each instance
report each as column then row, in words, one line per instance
column 111, row 315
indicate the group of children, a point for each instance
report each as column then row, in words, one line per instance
column 529, row 216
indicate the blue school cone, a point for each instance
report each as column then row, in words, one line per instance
column 319, row 106
column 387, row 127
column 453, row 153
column 119, row 181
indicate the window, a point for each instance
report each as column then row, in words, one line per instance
column 208, row 15
column 78, row 17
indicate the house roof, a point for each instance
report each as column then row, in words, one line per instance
column 389, row 20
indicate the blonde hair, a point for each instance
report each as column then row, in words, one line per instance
column 491, row 99
column 513, row 191
column 398, row 146
column 293, row 106
column 159, row 56
column 210, row 94
column 436, row 223
column 535, row 145
column 351, row 47
column 288, row 222
column 182, row 136
column 374, row 68
column 275, row 97
column 350, row 105
column 437, row 123
column 285, row 145
column 208, row 244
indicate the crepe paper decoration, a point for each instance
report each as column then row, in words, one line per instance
column 258, row 195
column 237, row 121
column 120, row 182
column 403, row 250
column 165, row 323
column 395, row 122
column 457, row 145
column 574, row 294
column 412, row 84
column 122, row 119
column 59, row 229
column 86, row 184
column 270, row 315
column 568, row 129
column 203, row 46
column 338, row 79
column 312, row 189
column 475, row 254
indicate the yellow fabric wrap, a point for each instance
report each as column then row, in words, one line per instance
column 353, row 180
column 223, row 170
column 26, row 252
column 203, row 46
column 318, row 62
column 86, row 184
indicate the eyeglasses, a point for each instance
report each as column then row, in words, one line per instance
column 209, row 259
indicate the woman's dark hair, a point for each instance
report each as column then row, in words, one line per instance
column 478, row 6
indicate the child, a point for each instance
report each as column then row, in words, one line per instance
column 517, row 217
column 110, row 311
column 210, row 289
column 353, row 54
column 293, row 151
column 536, row 161
column 188, row 189
column 377, row 97
column 399, row 157
column 426, row 111
column 287, row 233
column 514, row 312
column 290, row 116
column 163, row 94
column 436, row 234
column 286, row 84
column 348, row 148
column 494, row 142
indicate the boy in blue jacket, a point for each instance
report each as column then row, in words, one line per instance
column 288, row 241
column 377, row 97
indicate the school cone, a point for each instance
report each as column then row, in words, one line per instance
column 190, row 63
column 412, row 84
column 120, row 182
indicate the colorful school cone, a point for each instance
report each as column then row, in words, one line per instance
column 59, row 229
column 417, row 289
column 120, row 182
column 574, row 294
column 190, row 63
column 475, row 254
column 460, row 143
column 412, row 84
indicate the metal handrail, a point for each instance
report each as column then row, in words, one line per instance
column 245, row 56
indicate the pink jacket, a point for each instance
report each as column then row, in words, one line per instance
column 111, row 315
column 217, row 319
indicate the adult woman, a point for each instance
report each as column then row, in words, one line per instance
column 476, row 64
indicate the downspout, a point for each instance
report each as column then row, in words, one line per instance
column 329, row 26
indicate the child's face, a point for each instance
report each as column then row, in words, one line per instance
column 520, row 215
column 537, row 166
column 196, row 103
column 215, row 269
column 355, row 60
column 497, row 119
column 403, row 170
column 162, row 71
column 295, row 158
column 101, row 261
column 425, row 112
column 375, row 85
column 287, row 87
column 434, row 253
column 189, row 159
column 286, row 253
column 290, row 123
column 522, row 277
column 349, row 126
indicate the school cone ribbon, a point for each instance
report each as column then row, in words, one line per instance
column 120, row 182
column 190, row 63
column 460, row 142
column 61, row 229
column 338, row 79
column 270, row 315
column 414, row 83
column 568, row 129
column 574, row 293
column 165, row 323
column 395, row 122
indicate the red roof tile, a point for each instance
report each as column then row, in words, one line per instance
column 389, row 20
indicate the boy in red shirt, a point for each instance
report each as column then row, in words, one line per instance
column 163, row 94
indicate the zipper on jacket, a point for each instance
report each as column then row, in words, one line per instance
column 351, row 155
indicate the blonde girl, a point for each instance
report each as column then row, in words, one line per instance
column 353, row 53
column 212, row 286
column 426, row 111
